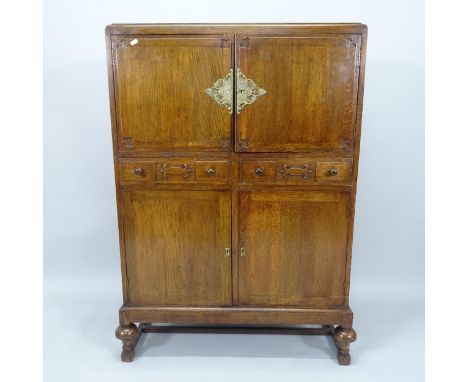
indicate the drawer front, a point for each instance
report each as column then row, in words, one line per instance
column 333, row 172
column 175, row 170
column 296, row 171
column 258, row 171
column 140, row 171
column 212, row 171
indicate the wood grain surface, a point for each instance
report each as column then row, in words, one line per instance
column 175, row 245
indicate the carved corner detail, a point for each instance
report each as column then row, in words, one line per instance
column 244, row 144
column 126, row 42
column 224, row 43
column 225, row 142
column 128, row 142
column 245, row 43
column 350, row 42
column 344, row 143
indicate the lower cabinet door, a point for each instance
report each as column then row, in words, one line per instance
column 293, row 247
column 176, row 245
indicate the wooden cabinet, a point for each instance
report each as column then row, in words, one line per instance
column 236, row 151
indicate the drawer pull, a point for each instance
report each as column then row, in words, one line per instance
column 139, row 171
column 182, row 169
column 303, row 171
column 242, row 252
column 259, row 171
column 333, row 172
column 227, row 251
column 211, row 172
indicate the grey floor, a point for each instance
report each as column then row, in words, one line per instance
column 79, row 343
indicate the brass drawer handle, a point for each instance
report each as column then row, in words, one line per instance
column 211, row 172
column 182, row 169
column 227, row 251
column 333, row 172
column 139, row 171
column 242, row 252
column 259, row 171
column 303, row 171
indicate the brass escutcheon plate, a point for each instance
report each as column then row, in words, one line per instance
column 246, row 93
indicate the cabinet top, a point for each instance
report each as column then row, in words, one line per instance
column 267, row 28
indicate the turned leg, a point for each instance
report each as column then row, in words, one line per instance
column 343, row 338
column 129, row 335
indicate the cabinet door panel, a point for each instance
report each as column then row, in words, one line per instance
column 175, row 247
column 295, row 247
column 311, row 88
column 160, row 84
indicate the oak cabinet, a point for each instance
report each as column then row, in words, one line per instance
column 236, row 150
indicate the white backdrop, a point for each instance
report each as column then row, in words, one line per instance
column 81, row 257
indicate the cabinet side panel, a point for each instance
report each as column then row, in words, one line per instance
column 113, row 118
column 357, row 145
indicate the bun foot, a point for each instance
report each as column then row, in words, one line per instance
column 343, row 359
column 343, row 338
column 127, row 355
column 129, row 335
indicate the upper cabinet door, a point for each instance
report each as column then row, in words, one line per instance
column 298, row 93
column 160, row 92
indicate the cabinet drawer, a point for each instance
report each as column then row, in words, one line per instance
column 296, row 171
column 333, row 172
column 140, row 171
column 175, row 170
column 212, row 171
column 258, row 171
